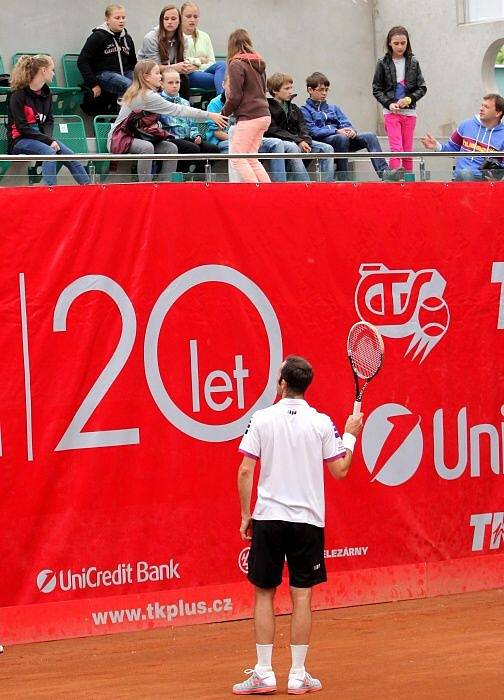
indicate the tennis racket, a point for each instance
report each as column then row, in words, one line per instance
column 365, row 352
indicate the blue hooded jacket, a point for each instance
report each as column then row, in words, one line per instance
column 323, row 119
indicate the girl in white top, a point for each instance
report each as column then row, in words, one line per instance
column 206, row 73
column 143, row 95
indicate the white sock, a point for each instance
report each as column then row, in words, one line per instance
column 264, row 654
column 298, row 652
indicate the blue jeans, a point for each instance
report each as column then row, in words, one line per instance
column 115, row 83
column 209, row 79
column 31, row 147
column 275, row 167
column 367, row 140
column 296, row 165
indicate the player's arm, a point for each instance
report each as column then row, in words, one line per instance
column 338, row 468
column 245, row 483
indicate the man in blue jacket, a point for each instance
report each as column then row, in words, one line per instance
column 479, row 137
column 329, row 124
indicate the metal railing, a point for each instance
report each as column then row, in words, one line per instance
column 208, row 158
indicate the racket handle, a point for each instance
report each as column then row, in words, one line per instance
column 356, row 408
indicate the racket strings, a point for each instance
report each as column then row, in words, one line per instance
column 365, row 352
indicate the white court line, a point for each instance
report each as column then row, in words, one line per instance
column 26, row 363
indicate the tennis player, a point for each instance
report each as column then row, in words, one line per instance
column 293, row 441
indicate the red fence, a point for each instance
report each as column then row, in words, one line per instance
column 140, row 327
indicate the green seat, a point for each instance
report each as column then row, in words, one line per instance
column 17, row 56
column 4, row 165
column 101, row 126
column 73, row 76
column 2, row 69
column 69, row 128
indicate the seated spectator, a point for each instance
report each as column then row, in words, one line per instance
column 30, row 117
column 221, row 138
column 329, row 124
column 204, row 71
column 143, row 95
column 184, row 130
column 481, row 135
column 288, row 124
column 108, row 57
column 166, row 45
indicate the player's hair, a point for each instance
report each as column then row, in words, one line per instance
column 316, row 79
column 498, row 100
column 297, row 373
column 139, row 85
column 163, row 36
column 398, row 31
column 26, row 69
column 276, row 81
column 239, row 42
column 110, row 8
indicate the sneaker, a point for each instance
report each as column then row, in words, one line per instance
column 300, row 686
column 255, row 684
column 395, row 175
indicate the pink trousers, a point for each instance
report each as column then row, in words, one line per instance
column 400, row 130
column 247, row 137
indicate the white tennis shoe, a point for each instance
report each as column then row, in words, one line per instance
column 300, row 686
column 256, row 684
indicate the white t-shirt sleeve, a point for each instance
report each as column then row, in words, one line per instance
column 332, row 445
column 250, row 444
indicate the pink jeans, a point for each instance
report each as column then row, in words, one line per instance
column 400, row 130
column 247, row 137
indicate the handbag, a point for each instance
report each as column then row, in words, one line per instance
column 137, row 125
column 146, row 127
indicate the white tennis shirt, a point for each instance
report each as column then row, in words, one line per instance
column 292, row 440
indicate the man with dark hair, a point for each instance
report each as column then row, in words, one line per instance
column 481, row 135
column 329, row 124
column 293, row 442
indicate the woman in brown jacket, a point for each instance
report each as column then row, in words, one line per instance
column 246, row 100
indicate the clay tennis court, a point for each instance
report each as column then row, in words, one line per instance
column 444, row 647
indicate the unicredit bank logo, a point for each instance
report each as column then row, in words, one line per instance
column 392, row 444
column 46, row 581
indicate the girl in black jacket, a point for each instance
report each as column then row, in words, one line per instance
column 30, row 117
column 398, row 84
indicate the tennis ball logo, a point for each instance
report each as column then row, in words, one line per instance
column 46, row 581
column 433, row 317
column 392, row 444
column 243, row 559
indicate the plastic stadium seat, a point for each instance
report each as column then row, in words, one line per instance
column 69, row 128
column 101, row 126
column 2, row 69
column 204, row 96
column 73, row 76
column 4, row 165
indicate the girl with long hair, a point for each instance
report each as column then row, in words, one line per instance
column 204, row 71
column 166, row 45
column 30, row 117
column 398, row 84
column 246, row 100
column 143, row 95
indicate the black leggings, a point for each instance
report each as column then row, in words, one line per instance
column 185, row 146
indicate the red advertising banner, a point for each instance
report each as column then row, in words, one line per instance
column 141, row 327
